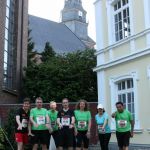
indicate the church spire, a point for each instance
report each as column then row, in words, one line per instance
column 74, row 17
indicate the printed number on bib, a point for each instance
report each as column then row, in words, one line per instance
column 65, row 121
column 40, row 120
column 24, row 123
column 122, row 123
column 102, row 131
column 81, row 124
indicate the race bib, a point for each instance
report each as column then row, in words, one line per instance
column 100, row 130
column 122, row 123
column 65, row 121
column 82, row 124
column 24, row 123
column 40, row 120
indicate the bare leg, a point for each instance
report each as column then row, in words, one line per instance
column 78, row 148
column 60, row 148
column 125, row 148
column 20, row 146
column 70, row 148
column 35, row 147
column 44, row 147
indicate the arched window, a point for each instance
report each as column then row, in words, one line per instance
column 125, row 94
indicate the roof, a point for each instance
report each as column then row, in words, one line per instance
column 60, row 37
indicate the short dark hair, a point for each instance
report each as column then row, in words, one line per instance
column 119, row 103
column 65, row 99
column 39, row 98
column 26, row 100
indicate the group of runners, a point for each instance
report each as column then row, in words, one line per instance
column 69, row 128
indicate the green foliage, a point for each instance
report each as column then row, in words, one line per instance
column 48, row 52
column 2, row 140
column 69, row 75
column 10, row 128
column 31, row 53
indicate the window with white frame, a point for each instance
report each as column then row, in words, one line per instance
column 9, row 49
column 125, row 94
column 121, row 19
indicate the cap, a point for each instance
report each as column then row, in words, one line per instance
column 100, row 106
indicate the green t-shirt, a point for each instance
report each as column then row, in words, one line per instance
column 53, row 119
column 81, row 119
column 123, row 121
column 39, row 116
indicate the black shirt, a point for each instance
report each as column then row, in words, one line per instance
column 65, row 117
column 24, row 119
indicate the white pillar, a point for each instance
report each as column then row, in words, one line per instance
column 99, row 24
column 147, row 20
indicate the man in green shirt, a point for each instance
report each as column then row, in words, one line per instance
column 124, row 126
column 40, row 125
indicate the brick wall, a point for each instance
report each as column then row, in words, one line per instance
column 4, row 110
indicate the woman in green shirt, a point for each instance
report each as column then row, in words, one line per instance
column 82, row 124
column 52, row 113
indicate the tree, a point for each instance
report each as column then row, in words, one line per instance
column 69, row 75
column 31, row 53
column 48, row 52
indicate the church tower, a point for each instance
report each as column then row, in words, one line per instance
column 74, row 17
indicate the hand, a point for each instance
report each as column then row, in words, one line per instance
column 131, row 134
column 60, row 126
column 48, row 125
column 30, row 134
column 75, row 132
column 113, row 115
column 36, row 125
column 50, row 130
column 71, row 126
column 20, row 127
column 88, row 134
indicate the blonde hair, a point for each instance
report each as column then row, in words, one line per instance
column 52, row 102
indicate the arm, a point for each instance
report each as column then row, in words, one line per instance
column 132, row 127
column 89, row 128
column 18, row 122
column 105, row 123
column 33, row 122
column 48, row 123
column 72, row 122
column 59, row 124
column 29, row 129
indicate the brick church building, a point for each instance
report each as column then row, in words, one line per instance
column 13, row 47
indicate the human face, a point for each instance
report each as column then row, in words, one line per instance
column 82, row 105
column 26, row 106
column 100, row 111
column 119, row 107
column 53, row 106
column 65, row 104
column 39, row 103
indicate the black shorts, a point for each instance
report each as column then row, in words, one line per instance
column 66, row 137
column 55, row 135
column 123, row 138
column 81, row 137
column 40, row 136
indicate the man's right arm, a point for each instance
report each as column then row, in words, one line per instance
column 18, row 122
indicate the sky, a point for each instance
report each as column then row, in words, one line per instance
column 51, row 9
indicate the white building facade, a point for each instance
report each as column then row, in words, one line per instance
column 123, row 61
